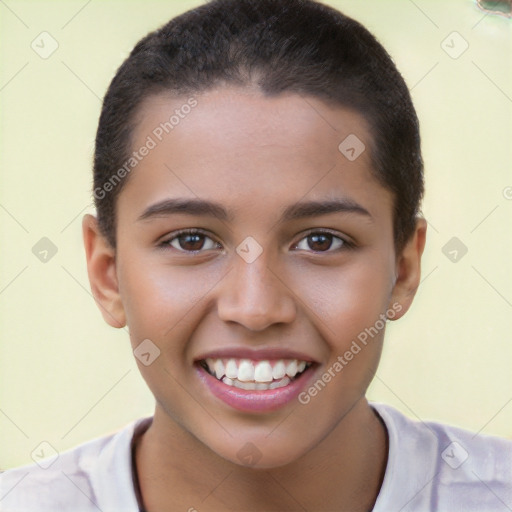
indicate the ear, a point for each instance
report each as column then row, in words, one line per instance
column 101, row 267
column 408, row 270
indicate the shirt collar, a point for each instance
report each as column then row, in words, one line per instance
column 112, row 478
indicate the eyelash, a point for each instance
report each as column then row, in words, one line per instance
column 346, row 245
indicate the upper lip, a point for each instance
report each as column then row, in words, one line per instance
column 258, row 354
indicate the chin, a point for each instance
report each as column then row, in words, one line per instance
column 262, row 454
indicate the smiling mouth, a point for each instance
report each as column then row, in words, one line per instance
column 252, row 375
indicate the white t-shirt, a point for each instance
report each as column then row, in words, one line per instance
column 431, row 467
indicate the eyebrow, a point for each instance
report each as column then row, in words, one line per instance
column 300, row 210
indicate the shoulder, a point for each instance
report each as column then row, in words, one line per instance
column 89, row 477
column 433, row 466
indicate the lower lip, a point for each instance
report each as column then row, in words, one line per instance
column 255, row 400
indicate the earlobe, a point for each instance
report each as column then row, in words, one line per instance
column 408, row 269
column 101, row 268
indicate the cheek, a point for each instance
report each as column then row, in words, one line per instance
column 348, row 299
column 160, row 300
column 348, row 307
column 164, row 304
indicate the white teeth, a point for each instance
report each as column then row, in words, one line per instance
column 245, row 371
column 260, row 386
column 243, row 385
column 291, row 369
column 263, row 372
column 255, row 373
column 279, row 384
column 279, row 370
column 218, row 368
column 231, row 369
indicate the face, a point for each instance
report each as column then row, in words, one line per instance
column 258, row 260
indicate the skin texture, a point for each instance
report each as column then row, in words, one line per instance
column 255, row 156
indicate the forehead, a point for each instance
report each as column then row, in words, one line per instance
column 245, row 149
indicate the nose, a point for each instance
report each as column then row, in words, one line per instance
column 255, row 296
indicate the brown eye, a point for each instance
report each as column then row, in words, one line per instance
column 321, row 242
column 191, row 241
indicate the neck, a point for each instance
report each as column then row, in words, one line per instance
column 344, row 471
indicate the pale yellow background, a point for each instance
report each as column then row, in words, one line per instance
column 66, row 377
